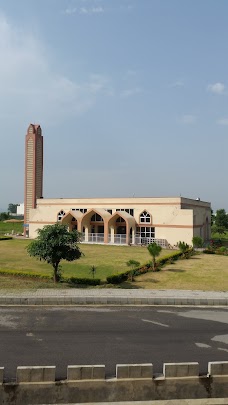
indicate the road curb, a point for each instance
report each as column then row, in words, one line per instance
column 121, row 301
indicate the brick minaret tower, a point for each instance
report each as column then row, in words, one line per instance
column 33, row 169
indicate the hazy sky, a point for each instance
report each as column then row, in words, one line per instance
column 132, row 97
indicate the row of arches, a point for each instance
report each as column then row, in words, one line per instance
column 102, row 226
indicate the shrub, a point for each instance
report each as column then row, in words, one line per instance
column 118, row 278
column 183, row 246
column 197, row 242
column 82, row 281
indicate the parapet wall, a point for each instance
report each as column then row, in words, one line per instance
column 133, row 382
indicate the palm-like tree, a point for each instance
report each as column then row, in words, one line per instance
column 154, row 251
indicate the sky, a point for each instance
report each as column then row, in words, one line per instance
column 131, row 95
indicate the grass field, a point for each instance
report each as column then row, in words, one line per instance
column 201, row 272
column 107, row 259
column 8, row 227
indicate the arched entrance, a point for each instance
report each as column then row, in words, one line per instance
column 95, row 226
column 121, row 228
column 73, row 220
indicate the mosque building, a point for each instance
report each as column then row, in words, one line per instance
column 134, row 220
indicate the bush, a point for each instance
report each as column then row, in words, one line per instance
column 172, row 257
column 183, row 246
column 82, row 281
column 197, row 242
column 118, row 278
column 5, row 237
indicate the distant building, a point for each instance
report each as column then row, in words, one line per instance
column 20, row 209
column 134, row 220
column 33, row 169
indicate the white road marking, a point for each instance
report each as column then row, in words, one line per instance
column 221, row 338
column 155, row 323
column 29, row 334
column 224, row 350
column 203, row 345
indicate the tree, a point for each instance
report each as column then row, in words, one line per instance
column 154, row 251
column 53, row 244
column 12, row 208
column 220, row 221
column 133, row 264
column 4, row 216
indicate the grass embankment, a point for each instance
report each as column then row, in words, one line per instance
column 108, row 260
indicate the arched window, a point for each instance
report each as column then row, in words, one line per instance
column 145, row 217
column 96, row 218
column 60, row 215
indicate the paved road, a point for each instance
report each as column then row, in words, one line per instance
column 110, row 335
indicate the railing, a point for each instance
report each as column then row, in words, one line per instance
column 93, row 238
column 120, row 239
column 146, row 241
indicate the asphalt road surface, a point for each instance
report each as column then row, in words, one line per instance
column 64, row 336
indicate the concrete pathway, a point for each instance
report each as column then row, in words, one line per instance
column 113, row 296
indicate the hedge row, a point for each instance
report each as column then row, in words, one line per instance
column 82, row 281
column 25, row 274
column 71, row 280
column 121, row 277
column 5, row 237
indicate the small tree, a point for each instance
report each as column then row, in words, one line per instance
column 93, row 270
column 53, row 244
column 133, row 264
column 197, row 242
column 154, row 251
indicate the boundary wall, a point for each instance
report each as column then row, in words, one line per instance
column 133, row 382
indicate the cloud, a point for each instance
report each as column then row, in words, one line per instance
column 222, row 121
column 130, row 92
column 84, row 10
column 216, row 88
column 32, row 88
column 70, row 10
column 177, row 83
column 91, row 10
column 187, row 119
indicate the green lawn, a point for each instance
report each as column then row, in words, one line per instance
column 107, row 259
column 200, row 272
column 8, row 227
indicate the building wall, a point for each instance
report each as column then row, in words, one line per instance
column 174, row 219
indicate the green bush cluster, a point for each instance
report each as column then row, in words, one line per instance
column 82, row 281
column 211, row 250
column 5, row 237
column 118, row 278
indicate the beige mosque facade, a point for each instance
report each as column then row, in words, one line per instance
column 135, row 220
